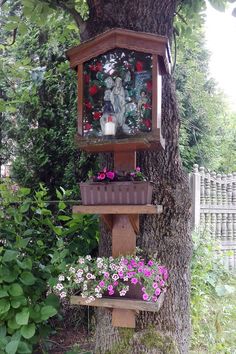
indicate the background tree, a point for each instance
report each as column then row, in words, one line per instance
column 168, row 235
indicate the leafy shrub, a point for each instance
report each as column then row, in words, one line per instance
column 213, row 302
column 36, row 242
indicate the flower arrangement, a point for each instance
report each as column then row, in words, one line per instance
column 107, row 175
column 94, row 278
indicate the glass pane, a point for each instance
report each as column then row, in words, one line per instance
column 118, row 94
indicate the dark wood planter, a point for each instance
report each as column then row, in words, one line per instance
column 96, row 193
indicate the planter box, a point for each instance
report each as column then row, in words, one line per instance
column 96, row 193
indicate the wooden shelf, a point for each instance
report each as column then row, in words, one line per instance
column 118, row 303
column 117, row 209
column 147, row 142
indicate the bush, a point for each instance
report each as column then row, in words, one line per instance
column 36, row 242
column 213, row 302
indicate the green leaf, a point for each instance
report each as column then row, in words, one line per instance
column 3, row 293
column 64, row 217
column 27, row 278
column 15, row 289
column 4, row 306
column 12, row 324
column 28, row 331
column 3, row 331
column 22, row 318
column 47, row 312
column 53, row 301
column 24, row 348
column 18, row 301
column 12, row 346
column 61, row 205
column 24, row 207
column 9, row 256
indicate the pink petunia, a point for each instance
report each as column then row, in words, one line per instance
column 111, row 292
column 115, row 283
column 110, row 287
column 145, row 297
column 102, row 284
column 155, row 285
column 106, row 275
column 150, row 263
column 134, row 280
column 121, row 274
column 110, row 175
column 138, row 169
column 157, row 291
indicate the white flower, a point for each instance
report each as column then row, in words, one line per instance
column 61, row 277
column 91, row 298
column 89, row 276
column 85, row 287
column 59, row 286
column 115, row 276
column 68, row 278
column 99, row 260
column 126, row 278
column 86, row 269
column 99, row 265
column 123, row 292
column 63, row 294
column 98, row 295
column 88, row 257
column 111, row 259
column 72, row 270
column 97, row 289
column 81, row 260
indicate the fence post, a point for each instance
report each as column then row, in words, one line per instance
column 195, row 187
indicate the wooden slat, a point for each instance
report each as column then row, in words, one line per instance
column 123, row 318
column 118, row 209
column 80, row 99
column 117, row 303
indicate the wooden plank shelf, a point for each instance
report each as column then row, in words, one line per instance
column 118, row 303
column 118, row 209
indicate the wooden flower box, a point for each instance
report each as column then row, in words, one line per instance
column 131, row 192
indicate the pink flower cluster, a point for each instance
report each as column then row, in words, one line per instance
column 107, row 175
column 94, row 278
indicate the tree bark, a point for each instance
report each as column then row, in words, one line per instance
column 166, row 236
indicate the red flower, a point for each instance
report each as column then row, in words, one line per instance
column 97, row 115
column 87, row 126
column 139, row 66
column 86, row 78
column 149, row 86
column 88, row 105
column 93, row 67
column 99, row 67
column 147, row 106
column 93, row 90
column 147, row 123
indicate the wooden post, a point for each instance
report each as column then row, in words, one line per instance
column 124, row 237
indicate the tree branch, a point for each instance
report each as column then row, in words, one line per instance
column 13, row 39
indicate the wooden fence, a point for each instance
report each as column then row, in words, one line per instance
column 214, row 208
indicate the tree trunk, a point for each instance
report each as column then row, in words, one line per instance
column 167, row 235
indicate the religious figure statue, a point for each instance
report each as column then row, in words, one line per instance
column 141, row 102
column 118, row 101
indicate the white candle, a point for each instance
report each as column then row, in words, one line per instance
column 110, row 128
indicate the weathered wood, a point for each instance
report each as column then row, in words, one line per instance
column 117, row 209
column 124, row 160
column 80, row 101
column 108, row 219
column 134, row 220
column 126, row 39
column 123, row 318
column 123, row 236
column 147, row 141
column 118, row 303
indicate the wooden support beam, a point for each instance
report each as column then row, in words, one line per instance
column 123, row 318
column 117, row 209
column 108, row 219
column 123, row 236
column 124, row 160
column 134, row 220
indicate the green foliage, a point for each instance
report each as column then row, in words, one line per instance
column 37, row 240
column 213, row 300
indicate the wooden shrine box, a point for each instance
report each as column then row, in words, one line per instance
column 119, row 90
